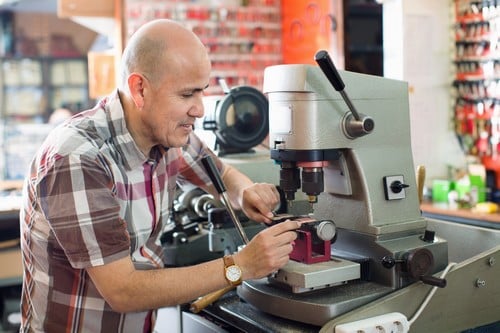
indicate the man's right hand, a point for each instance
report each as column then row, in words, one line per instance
column 267, row 251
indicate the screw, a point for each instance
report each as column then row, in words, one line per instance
column 480, row 283
column 491, row 261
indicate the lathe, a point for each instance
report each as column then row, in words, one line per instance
column 347, row 160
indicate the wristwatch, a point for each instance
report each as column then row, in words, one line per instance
column 232, row 272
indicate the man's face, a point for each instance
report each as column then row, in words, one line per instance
column 172, row 106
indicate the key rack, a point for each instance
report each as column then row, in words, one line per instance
column 477, row 64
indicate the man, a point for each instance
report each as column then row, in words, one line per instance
column 100, row 189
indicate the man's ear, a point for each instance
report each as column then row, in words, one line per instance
column 136, row 84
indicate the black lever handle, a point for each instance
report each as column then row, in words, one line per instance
column 433, row 281
column 332, row 74
column 324, row 61
column 361, row 124
column 213, row 173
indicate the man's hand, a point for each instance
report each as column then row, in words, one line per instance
column 267, row 251
column 256, row 200
column 259, row 200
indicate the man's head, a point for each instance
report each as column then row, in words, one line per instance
column 165, row 69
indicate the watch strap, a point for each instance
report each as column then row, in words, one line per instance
column 228, row 260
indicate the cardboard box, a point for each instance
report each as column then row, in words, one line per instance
column 101, row 67
column 11, row 265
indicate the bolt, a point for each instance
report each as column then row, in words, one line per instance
column 491, row 261
column 480, row 283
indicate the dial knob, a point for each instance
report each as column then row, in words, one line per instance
column 326, row 230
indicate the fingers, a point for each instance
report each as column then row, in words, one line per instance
column 259, row 201
column 280, row 229
column 269, row 250
column 282, row 257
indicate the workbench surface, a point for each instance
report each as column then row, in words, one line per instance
column 461, row 215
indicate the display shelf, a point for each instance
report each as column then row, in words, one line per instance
column 241, row 39
column 477, row 77
column 23, row 91
column 18, row 143
column 33, row 87
column 68, row 82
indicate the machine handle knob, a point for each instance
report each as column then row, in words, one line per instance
column 208, row 299
column 361, row 124
column 417, row 264
column 326, row 230
column 420, row 175
column 428, row 236
column 390, row 262
column 433, row 281
column 398, row 186
column 213, row 173
column 326, row 64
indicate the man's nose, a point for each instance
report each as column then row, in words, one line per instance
column 197, row 110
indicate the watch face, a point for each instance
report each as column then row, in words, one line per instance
column 233, row 273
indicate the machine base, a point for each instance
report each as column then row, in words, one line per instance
column 299, row 277
column 316, row 307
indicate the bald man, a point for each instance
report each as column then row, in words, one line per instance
column 100, row 190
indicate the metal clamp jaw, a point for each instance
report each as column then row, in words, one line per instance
column 314, row 238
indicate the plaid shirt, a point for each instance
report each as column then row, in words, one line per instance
column 91, row 198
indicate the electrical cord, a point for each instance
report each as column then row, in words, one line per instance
column 429, row 295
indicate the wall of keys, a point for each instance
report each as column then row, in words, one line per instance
column 243, row 37
column 477, row 65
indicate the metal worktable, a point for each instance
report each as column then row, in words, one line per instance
column 234, row 315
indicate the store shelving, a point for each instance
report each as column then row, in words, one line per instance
column 23, row 89
column 242, row 39
column 31, row 88
column 477, row 84
column 477, row 64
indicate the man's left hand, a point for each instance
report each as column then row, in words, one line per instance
column 259, row 200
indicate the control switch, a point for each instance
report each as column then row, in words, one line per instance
column 394, row 187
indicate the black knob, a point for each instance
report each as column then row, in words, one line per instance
column 433, row 281
column 388, row 262
column 397, row 186
column 419, row 262
column 428, row 236
column 368, row 124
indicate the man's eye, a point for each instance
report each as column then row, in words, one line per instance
column 192, row 93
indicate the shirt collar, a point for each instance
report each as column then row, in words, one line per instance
column 130, row 153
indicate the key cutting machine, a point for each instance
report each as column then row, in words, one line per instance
column 351, row 157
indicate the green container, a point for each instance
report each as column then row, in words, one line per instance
column 475, row 189
column 440, row 190
column 478, row 187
